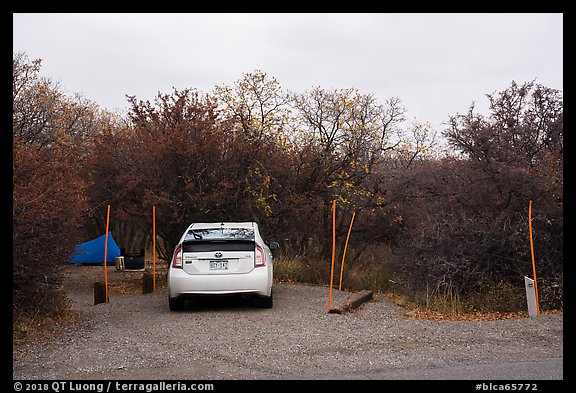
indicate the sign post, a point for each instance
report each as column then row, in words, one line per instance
column 531, row 297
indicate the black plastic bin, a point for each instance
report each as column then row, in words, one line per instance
column 133, row 261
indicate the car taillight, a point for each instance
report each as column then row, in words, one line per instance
column 177, row 258
column 259, row 259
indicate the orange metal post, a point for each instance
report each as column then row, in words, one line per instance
column 532, row 254
column 106, row 252
column 333, row 251
column 154, row 245
column 345, row 248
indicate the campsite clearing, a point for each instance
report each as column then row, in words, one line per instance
column 136, row 336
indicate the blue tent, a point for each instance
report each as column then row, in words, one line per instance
column 92, row 252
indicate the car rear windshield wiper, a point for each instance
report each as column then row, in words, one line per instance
column 196, row 235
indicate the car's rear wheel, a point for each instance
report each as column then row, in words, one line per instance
column 176, row 304
column 266, row 301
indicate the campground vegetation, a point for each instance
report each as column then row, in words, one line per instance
column 445, row 224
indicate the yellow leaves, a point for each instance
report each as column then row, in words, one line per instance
column 428, row 314
column 267, row 182
column 260, row 191
column 343, row 200
column 399, row 219
column 255, row 105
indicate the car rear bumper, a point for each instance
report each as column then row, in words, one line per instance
column 258, row 281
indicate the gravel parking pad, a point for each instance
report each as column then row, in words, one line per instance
column 137, row 337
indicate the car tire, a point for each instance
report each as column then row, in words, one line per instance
column 176, row 304
column 266, row 301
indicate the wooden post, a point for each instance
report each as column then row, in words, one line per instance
column 147, row 283
column 106, row 252
column 99, row 293
column 345, row 248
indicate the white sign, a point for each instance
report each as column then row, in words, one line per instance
column 531, row 297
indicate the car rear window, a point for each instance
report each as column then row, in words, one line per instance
column 220, row 234
column 219, row 239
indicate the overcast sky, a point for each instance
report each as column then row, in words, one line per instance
column 437, row 64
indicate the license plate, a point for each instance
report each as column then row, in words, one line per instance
column 218, row 265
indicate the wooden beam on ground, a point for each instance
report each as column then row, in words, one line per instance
column 353, row 301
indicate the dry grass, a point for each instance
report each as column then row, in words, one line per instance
column 368, row 273
column 417, row 311
column 421, row 313
column 27, row 329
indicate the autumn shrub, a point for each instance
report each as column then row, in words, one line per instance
column 49, row 140
column 48, row 203
column 467, row 217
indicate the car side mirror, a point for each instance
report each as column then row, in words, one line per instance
column 274, row 246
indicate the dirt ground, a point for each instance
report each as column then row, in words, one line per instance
column 80, row 279
column 136, row 336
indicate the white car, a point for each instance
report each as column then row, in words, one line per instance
column 220, row 259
